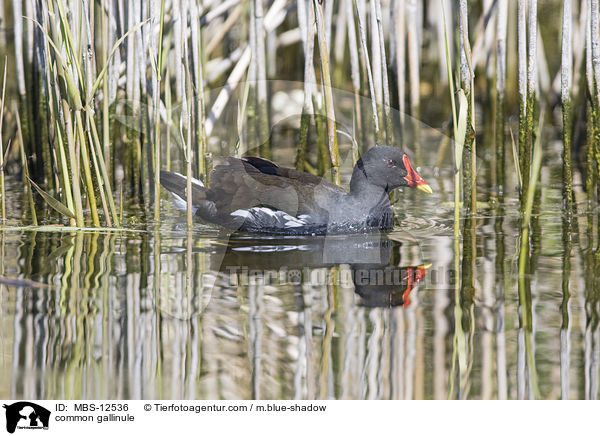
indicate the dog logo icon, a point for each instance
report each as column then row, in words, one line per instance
column 26, row 415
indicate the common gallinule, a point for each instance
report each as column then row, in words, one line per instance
column 256, row 195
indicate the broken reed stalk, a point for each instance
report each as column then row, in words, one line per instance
column 240, row 59
column 223, row 97
column 214, row 42
column 328, row 91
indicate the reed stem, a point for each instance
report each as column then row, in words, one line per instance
column 261, row 81
column 522, row 65
column 531, row 89
column 26, row 179
column 389, row 128
column 2, row 189
column 566, row 82
column 305, row 19
column 365, row 55
column 500, row 95
column 328, row 91
column 157, row 45
column 467, row 78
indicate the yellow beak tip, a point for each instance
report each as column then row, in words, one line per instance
column 425, row 188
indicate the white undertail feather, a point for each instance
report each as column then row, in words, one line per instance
column 181, row 204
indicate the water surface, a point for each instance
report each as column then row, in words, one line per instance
column 159, row 312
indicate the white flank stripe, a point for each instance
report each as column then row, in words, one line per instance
column 275, row 217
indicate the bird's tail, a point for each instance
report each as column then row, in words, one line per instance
column 176, row 184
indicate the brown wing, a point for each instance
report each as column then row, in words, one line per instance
column 243, row 184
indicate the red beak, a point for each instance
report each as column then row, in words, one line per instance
column 415, row 180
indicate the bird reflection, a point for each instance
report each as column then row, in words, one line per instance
column 393, row 289
column 373, row 261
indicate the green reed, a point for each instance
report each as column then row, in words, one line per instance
column 26, row 179
column 524, row 279
column 467, row 77
column 500, row 103
column 459, row 123
column 567, row 224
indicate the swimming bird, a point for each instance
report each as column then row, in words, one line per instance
column 253, row 194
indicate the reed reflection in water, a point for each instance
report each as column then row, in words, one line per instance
column 170, row 315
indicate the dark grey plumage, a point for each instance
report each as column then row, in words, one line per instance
column 256, row 195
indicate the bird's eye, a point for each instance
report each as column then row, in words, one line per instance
column 391, row 163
